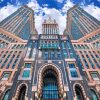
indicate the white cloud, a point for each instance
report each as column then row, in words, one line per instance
column 7, row 10
column 93, row 10
column 53, row 13
column 33, row 4
column 38, row 23
column 60, row 1
column 67, row 6
column 56, row 14
column 38, row 17
column 45, row 5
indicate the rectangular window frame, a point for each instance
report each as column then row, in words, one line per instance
column 73, row 69
column 5, row 78
column 27, row 63
column 24, row 72
column 95, row 79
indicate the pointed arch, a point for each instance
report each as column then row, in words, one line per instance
column 94, row 95
column 21, row 92
column 79, row 91
column 6, row 95
column 55, row 71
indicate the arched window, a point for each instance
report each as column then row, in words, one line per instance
column 6, row 95
column 94, row 96
column 22, row 92
column 79, row 94
column 50, row 86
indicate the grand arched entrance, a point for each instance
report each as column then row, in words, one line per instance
column 79, row 93
column 22, row 92
column 50, row 86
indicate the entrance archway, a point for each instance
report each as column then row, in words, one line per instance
column 6, row 95
column 50, row 82
column 22, row 92
column 79, row 93
column 50, row 85
column 94, row 96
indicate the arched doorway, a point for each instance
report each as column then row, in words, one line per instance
column 53, row 75
column 50, row 85
column 79, row 93
column 6, row 95
column 94, row 96
column 22, row 92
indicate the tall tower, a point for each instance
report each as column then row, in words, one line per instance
column 50, row 26
column 80, row 23
column 20, row 23
column 84, row 31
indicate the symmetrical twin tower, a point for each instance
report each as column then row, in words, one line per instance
column 49, row 66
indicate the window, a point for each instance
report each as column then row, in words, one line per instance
column 95, row 76
column 5, row 76
column 9, row 62
column 15, row 61
column 71, row 55
column 71, row 65
column 65, row 53
column 52, row 55
column 30, row 45
column 26, row 73
column 75, row 46
column 63, row 46
column 18, row 56
column 59, row 55
column 90, row 60
column 4, row 56
column 68, row 45
column 46, row 55
column 73, row 73
column 73, row 70
column 27, row 65
column 14, row 64
column 85, row 62
column 13, row 56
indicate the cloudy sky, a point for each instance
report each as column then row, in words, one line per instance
column 57, row 9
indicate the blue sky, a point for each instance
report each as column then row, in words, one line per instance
column 57, row 9
column 58, row 4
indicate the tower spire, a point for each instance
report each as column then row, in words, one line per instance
column 50, row 26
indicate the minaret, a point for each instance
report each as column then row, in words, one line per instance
column 50, row 26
